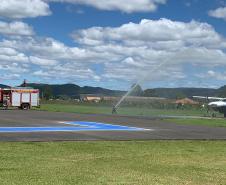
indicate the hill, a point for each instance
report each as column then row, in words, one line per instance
column 181, row 92
column 3, row 86
column 73, row 91
column 222, row 91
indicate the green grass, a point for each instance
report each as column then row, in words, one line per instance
column 99, row 109
column 76, row 108
column 208, row 122
column 138, row 111
column 94, row 163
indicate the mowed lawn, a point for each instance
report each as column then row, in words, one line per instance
column 99, row 109
column 140, row 111
column 94, row 163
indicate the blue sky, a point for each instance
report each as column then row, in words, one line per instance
column 115, row 43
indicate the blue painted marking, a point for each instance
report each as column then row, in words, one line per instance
column 80, row 126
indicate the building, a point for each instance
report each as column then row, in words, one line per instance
column 186, row 101
column 91, row 97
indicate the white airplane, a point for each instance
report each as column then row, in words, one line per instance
column 218, row 105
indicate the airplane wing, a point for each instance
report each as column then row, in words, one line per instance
column 209, row 98
column 217, row 104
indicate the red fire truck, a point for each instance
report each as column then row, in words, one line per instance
column 23, row 98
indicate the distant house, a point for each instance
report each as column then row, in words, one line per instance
column 111, row 98
column 91, row 97
column 186, row 101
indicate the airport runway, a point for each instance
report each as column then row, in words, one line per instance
column 18, row 125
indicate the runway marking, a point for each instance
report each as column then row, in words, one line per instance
column 80, row 126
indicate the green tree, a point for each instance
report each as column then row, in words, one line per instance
column 180, row 95
column 47, row 93
column 137, row 91
column 150, row 93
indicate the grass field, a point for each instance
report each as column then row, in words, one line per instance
column 141, row 111
column 150, row 162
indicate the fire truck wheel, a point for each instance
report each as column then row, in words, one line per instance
column 25, row 106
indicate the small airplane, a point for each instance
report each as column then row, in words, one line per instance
column 216, row 103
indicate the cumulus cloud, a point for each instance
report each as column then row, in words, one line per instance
column 42, row 61
column 9, row 55
column 7, row 51
column 15, row 58
column 137, row 48
column 9, row 77
column 68, row 73
column 18, row 9
column 127, row 6
column 218, row 13
column 13, row 62
column 213, row 74
column 52, row 59
column 160, row 33
column 126, row 53
column 15, row 28
column 14, row 68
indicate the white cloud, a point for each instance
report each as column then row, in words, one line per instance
column 7, row 51
column 42, row 62
column 13, row 61
column 213, row 74
column 10, row 76
column 42, row 74
column 53, row 59
column 52, row 49
column 67, row 72
column 17, row 9
column 153, row 33
column 126, row 53
column 18, row 57
column 160, row 33
column 149, row 42
column 15, row 28
column 127, row 6
column 218, row 13
column 14, row 68
column 137, row 49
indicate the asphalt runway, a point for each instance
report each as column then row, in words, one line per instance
column 18, row 125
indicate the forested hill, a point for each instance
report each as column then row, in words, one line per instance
column 181, row 92
column 222, row 91
column 3, row 86
column 73, row 91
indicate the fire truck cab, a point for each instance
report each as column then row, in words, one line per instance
column 23, row 98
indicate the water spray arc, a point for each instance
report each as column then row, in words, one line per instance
column 117, row 105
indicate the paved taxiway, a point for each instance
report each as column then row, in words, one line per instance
column 156, row 127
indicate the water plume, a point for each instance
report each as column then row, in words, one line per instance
column 117, row 105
